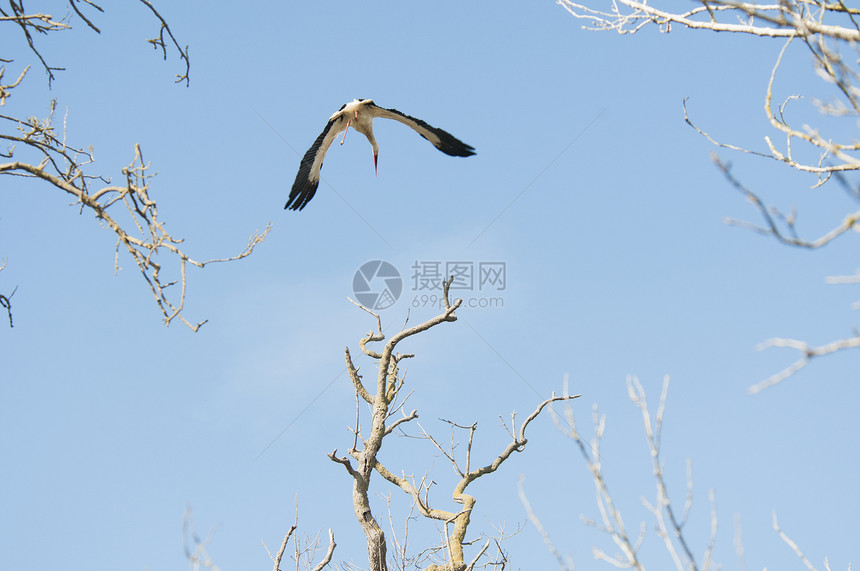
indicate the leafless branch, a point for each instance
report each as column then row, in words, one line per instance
column 773, row 217
column 739, row 544
column 74, row 5
column 612, row 522
column 533, row 517
column 6, row 90
column 64, row 167
column 364, row 462
column 158, row 42
column 36, row 148
column 304, row 551
column 135, row 196
column 328, row 554
column 6, row 300
column 406, row 418
column 782, row 19
column 197, row 555
column 356, row 378
column 669, row 527
column 371, row 336
column 807, row 353
column 30, row 24
column 387, row 387
column 455, row 540
column 277, row 558
column 43, row 24
column 401, row 544
column 788, row 541
column 829, row 31
column 673, row 529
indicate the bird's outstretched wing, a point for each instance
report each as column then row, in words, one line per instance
column 308, row 178
column 442, row 140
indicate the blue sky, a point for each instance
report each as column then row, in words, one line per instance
column 617, row 263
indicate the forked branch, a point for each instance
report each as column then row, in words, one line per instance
column 34, row 24
column 363, row 461
column 669, row 524
column 6, row 300
column 830, row 31
column 304, row 551
column 389, row 382
column 64, row 167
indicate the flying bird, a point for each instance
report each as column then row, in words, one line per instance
column 360, row 114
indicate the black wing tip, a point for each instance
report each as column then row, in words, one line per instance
column 454, row 147
column 448, row 143
column 293, row 205
column 304, row 186
column 465, row 151
column 301, row 195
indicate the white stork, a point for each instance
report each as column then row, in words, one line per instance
column 360, row 114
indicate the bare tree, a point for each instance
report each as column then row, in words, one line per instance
column 363, row 460
column 668, row 522
column 830, row 32
column 388, row 417
column 303, row 552
column 37, row 148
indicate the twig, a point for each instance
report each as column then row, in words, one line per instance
column 807, row 354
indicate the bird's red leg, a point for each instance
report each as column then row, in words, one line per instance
column 345, row 130
column 348, row 122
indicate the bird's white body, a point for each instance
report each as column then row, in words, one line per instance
column 359, row 114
